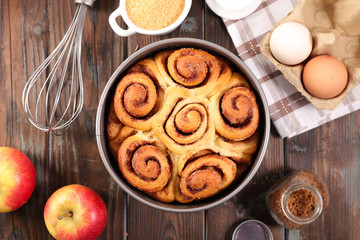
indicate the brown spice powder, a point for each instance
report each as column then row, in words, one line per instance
column 275, row 193
column 302, row 203
column 154, row 14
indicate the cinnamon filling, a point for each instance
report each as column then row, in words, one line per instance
column 138, row 96
column 236, row 108
column 187, row 124
column 188, row 120
column 207, row 175
column 192, row 70
column 143, row 68
column 204, row 179
column 136, row 100
column 145, row 162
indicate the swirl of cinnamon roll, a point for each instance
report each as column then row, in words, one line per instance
column 191, row 68
column 205, row 176
column 146, row 164
column 184, row 121
column 236, row 112
column 139, row 95
column 238, row 159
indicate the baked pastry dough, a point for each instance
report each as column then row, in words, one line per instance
column 184, row 122
column 116, row 131
column 235, row 110
column 190, row 68
column 183, row 126
column 245, row 149
column 139, row 95
column 224, row 76
column 147, row 165
column 161, row 60
column 204, row 172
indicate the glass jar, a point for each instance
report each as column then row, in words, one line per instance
column 297, row 199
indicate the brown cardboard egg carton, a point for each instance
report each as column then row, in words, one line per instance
column 335, row 27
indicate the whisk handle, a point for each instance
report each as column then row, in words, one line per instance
column 86, row 2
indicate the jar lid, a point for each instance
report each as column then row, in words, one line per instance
column 252, row 229
column 233, row 9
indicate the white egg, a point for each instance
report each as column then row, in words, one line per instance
column 291, row 43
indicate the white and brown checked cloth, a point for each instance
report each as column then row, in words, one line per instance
column 290, row 112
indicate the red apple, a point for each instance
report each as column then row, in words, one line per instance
column 75, row 212
column 17, row 179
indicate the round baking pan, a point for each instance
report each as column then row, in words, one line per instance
column 147, row 51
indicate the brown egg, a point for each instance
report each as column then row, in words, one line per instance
column 325, row 76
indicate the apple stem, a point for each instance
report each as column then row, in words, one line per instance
column 70, row 214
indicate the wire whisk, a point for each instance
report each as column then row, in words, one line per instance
column 53, row 97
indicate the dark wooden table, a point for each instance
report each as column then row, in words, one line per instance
column 29, row 31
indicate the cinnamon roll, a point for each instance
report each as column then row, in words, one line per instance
column 139, row 95
column 184, row 122
column 235, row 110
column 204, row 176
column 190, row 68
column 147, row 165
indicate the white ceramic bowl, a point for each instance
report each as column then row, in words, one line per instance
column 132, row 28
column 233, row 9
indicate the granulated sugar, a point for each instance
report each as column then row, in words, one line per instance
column 154, row 14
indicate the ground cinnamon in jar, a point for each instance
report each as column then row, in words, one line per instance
column 302, row 203
column 297, row 199
column 154, row 14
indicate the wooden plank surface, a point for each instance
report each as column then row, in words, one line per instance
column 29, row 30
column 6, row 226
column 331, row 151
column 25, row 43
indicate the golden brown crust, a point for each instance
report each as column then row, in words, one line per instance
column 146, row 164
column 161, row 60
column 113, row 124
column 190, row 68
column 161, row 125
column 224, row 76
column 116, row 132
column 236, row 111
column 206, row 176
column 139, row 95
column 184, row 122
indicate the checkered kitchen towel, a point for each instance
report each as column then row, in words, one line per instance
column 290, row 112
